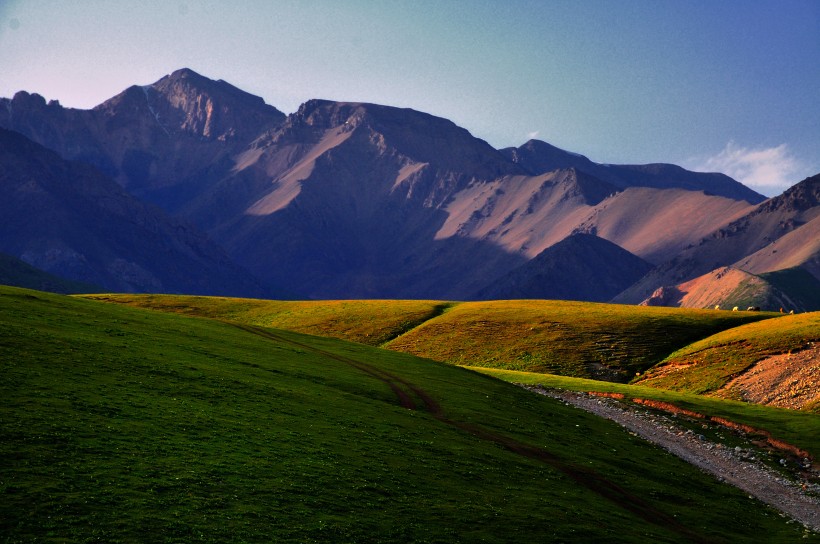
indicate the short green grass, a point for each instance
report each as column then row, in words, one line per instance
column 561, row 337
column 801, row 429
column 707, row 365
column 799, row 284
column 124, row 425
column 570, row 338
column 371, row 322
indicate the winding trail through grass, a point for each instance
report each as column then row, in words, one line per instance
column 404, row 399
column 753, row 478
column 583, row 476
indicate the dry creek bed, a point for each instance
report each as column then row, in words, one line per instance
column 793, row 492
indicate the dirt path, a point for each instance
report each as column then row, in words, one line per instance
column 405, row 401
column 726, row 464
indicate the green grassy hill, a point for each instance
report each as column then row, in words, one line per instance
column 797, row 287
column 604, row 341
column 705, row 366
column 122, row 425
column 371, row 322
column 790, row 289
column 570, row 338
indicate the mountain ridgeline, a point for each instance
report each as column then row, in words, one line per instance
column 355, row 200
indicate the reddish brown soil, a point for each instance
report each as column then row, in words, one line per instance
column 790, row 380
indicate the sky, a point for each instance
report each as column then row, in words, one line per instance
column 712, row 85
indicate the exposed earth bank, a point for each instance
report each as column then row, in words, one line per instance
column 737, row 466
column 791, row 380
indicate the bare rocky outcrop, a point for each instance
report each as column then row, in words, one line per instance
column 790, row 380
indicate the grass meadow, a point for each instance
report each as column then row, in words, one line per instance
column 119, row 424
column 560, row 337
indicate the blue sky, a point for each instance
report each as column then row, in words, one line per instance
column 731, row 86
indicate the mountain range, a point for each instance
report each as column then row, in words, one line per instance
column 193, row 185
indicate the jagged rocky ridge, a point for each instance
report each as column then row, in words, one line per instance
column 346, row 200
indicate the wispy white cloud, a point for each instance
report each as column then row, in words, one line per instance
column 767, row 170
column 533, row 135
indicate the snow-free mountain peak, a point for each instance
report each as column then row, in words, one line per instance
column 352, row 199
column 540, row 157
column 189, row 103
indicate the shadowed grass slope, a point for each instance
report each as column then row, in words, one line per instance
column 560, row 337
column 707, row 365
column 370, row 322
column 801, row 429
column 799, row 284
column 572, row 338
column 118, row 424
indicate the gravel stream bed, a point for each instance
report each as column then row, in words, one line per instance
column 732, row 465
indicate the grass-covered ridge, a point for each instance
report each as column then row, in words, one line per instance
column 707, row 365
column 799, row 284
column 118, row 424
column 371, row 322
column 561, row 337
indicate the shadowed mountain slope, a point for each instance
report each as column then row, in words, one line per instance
column 162, row 142
column 15, row 272
column 798, row 248
column 355, row 200
column 344, row 201
column 580, row 267
column 69, row 219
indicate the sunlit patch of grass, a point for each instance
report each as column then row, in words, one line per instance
column 562, row 337
column 371, row 322
column 707, row 365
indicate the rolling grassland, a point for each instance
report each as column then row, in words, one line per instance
column 119, row 424
column 371, row 322
column 560, row 337
column 709, row 364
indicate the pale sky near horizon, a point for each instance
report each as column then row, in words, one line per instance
column 713, row 85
